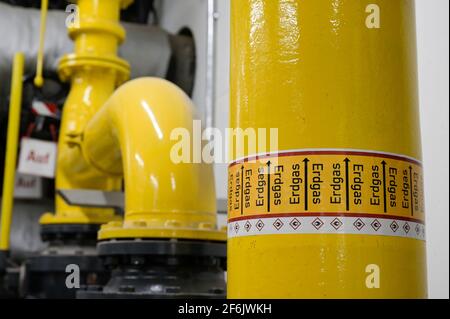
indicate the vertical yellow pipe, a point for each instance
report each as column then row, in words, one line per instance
column 11, row 149
column 105, row 137
column 343, row 95
column 94, row 70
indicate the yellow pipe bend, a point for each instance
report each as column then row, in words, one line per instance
column 131, row 135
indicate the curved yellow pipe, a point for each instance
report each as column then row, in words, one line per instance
column 131, row 135
column 106, row 137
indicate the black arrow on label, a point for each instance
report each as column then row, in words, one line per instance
column 411, row 190
column 347, row 185
column 268, row 186
column 242, row 190
column 384, row 185
column 306, row 160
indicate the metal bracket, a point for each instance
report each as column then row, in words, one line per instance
column 116, row 200
column 93, row 198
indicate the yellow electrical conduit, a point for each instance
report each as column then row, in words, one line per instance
column 14, row 127
column 11, row 150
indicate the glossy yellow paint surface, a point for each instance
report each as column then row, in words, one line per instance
column 39, row 79
column 312, row 69
column 132, row 136
column 94, row 71
column 325, row 266
column 12, row 143
column 113, row 135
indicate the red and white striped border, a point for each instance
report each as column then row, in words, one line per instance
column 45, row 109
column 319, row 224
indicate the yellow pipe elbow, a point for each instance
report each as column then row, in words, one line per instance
column 131, row 135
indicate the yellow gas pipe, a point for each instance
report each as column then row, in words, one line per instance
column 107, row 136
column 11, row 150
column 39, row 79
column 131, row 136
column 343, row 95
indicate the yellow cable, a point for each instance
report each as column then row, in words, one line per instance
column 39, row 79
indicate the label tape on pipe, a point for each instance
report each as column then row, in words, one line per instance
column 326, row 191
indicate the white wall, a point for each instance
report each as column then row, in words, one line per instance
column 432, row 36
column 432, row 30
column 192, row 14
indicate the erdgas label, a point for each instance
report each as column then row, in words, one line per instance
column 326, row 191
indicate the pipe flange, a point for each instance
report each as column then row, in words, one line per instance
column 161, row 269
column 3, row 260
column 45, row 277
column 69, row 232
column 73, row 62
column 123, row 3
column 140, row 229
column 78, row 219
column 162, row 248
column 58, row 263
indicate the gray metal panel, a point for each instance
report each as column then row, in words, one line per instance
column 93, row 198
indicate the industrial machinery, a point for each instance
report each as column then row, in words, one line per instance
column 336, row 210
column 112, row 138
column 333, row 209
